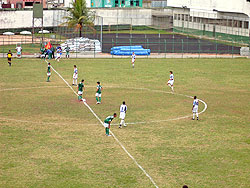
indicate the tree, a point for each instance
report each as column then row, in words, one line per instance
column 79, row 16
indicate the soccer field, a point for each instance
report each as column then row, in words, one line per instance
column 49, row 139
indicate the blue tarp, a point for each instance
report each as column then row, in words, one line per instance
column 128, row 50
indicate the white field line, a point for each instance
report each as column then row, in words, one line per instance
column 38, row 87
column 84, row 101
column 129, row 123
column 39, row 122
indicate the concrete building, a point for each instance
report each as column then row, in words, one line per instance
column 24, row 3
column 216, row 16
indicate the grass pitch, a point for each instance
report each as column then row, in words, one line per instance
column 49, row 139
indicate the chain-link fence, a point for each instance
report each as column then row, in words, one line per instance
column 94, row 44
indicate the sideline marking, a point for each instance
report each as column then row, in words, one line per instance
column 84, row 101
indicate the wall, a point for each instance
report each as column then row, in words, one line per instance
column 241, row 6
column 134, row 16
column 23, row 18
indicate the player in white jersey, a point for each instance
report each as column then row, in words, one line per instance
column 19, row 51
column 75, row 76
column 171, row 80
column 58, row 53
column 133, row 59
column 195, row 108
column 123, row 110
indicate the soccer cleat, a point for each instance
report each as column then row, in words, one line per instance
column 197, row 118
column 108, row 135
column 120, row 126
column 192, row 118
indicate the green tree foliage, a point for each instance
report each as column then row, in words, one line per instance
column 79, row 16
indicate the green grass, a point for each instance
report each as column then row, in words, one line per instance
column 48, row 139
column 26, row 48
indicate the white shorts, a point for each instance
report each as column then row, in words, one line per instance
column 105, row 125
column 98, row 95
column 75, row 76
column 133, row 60
column 195, row 110
column 79, row 92
column 171, row 82
column 49, row 73
column 122, row 115
column 58, row 55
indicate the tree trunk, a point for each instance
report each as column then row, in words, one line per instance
column 80, row 31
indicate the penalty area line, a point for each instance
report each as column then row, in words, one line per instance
column 116, row 139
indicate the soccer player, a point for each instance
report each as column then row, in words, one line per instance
column 107, row 122
column 42, row 52
column 171, row 80
column 80, row 90
column 67, row 51
column 9, row 56
column 195, row 108
column 75, row 76
column 58, row 53
column 19, row 51
column 133, row 59
column 123, row 110
column 48, row 73
column 98, row 94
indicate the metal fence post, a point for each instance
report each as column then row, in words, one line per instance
column 173, row 44
column 147, row 47
column 165, row 48
column 232, row 49
column 112, row 45
column 216, row 47
column 182, row 48
column 199, row 43
column 94, row 49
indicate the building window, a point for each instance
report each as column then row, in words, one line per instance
column 137, row 3
column 246, row 25
column 131, row 3
column 175, row 16
column 240, row 24
column 179, row 16
column 116, row 3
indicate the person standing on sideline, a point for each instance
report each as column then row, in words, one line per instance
column 98, row 94
column 123, row 110
column 67, row 51
column 48, row 72
column 80, row 90
column 171, row 80
column 75, row 76
column 9, row 56
column 107, row 122
column 19, row 51
column 133, row 59
column 53, row 52
column 195, row 108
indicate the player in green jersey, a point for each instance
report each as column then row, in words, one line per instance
column 48, row 72
column 98, row 94
column 80, row 89
column 67, row 51
column 107, row 122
